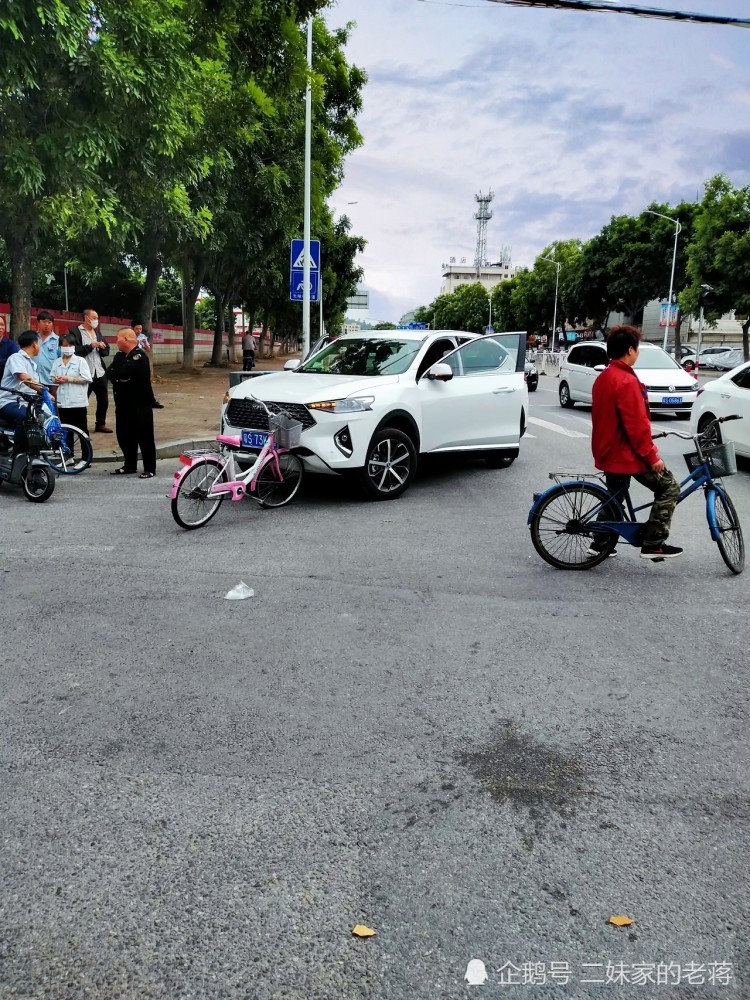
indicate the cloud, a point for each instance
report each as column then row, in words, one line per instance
column 569, row 118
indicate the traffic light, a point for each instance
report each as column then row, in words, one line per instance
column 707, row 298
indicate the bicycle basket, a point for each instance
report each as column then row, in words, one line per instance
column 32, row 437
column 286, row 430
column 721, row 459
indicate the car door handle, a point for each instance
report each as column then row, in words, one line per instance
column 726, row 395
column 502, row 392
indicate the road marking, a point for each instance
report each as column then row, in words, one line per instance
column 527, row 435
column 548, row 425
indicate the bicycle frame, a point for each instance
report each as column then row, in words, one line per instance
column 236, row 485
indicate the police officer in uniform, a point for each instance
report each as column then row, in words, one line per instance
column 130, row 375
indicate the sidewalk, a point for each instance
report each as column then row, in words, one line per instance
column 190, row 417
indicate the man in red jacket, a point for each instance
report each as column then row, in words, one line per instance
column 622, row 445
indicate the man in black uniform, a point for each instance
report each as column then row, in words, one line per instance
column 130, row 375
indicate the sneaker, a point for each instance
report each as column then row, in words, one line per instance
column 156, row 405
column 661, row 551
column 594, row 550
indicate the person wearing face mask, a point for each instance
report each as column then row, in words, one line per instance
column 20, row 375
column 72, row 376
column 92, row 347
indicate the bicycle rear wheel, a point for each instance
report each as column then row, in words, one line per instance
column 560, row 532
column 194, row 504
column 730, row 541
column 72, row 455
column 270, row 491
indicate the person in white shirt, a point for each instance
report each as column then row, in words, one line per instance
column 20, row 375
column 93, row 347
column 72, row 376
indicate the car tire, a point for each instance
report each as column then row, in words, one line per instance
column 378, row 482
column 532, row 388
column 565, row 401
column 704, row 421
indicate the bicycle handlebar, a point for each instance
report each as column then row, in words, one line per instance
column 694, row 437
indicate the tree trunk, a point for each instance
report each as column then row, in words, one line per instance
column 21, row 253
column 216, row 358
column 154, row 268
column 230, row 334
column 677, row 338
column 193, row 272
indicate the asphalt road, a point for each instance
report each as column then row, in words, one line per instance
column 415, row 725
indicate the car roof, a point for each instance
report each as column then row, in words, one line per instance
column 406, row 334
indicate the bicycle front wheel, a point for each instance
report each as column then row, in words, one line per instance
column 72, row 455
column 731, row 544
column 194, row 504
column 270, row 491
column 562, row 528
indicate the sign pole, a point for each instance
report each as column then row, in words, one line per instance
column 308, row 154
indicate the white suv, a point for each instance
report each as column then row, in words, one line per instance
column 373, row 402
column 669, row 386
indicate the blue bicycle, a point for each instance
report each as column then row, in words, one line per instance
column 568, row 517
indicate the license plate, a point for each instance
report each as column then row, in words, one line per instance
column 671, row 400
column 254, row 439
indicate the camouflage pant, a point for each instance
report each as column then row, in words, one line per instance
column 665, row 488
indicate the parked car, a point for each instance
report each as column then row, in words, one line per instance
column 708, row 357
column 670, row 387
column 728, row 362
column 532, row 376
column 722, row 397
column 371, row 403
column 687, row 356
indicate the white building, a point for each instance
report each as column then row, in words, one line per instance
column 352, row 328
column 456, row 275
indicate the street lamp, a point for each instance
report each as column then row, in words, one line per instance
column 678, row 230
column 557, row 284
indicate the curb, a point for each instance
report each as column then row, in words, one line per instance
column 169, row 449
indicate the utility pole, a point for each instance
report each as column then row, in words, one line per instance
column 308, row 155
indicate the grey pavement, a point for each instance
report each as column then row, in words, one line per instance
column 415, row 724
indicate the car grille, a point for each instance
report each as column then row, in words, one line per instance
column 248, row 413
column 679, row 390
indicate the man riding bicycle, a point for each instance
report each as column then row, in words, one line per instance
column 622, row 445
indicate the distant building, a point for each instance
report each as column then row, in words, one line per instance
column 352, row 327
column 489, row 275
column 407, row 318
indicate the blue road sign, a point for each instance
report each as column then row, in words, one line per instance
column 297, row 270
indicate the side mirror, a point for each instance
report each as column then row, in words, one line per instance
column 439, row 373
column 600, row 368
column 292, row 365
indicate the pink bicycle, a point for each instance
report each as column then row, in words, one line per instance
column 272, row 480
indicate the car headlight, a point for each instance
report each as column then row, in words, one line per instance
column 353, row 404
column 227, row 397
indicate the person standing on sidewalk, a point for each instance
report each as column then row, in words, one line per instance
column 622, row 445
column 248, row 352
column 130, row 375
column 90, row 346
column 49, row 347
column 145, row 345
column 72, row 377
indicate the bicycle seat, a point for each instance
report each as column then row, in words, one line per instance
column 230, row 439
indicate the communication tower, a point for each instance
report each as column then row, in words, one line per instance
column 483, row 216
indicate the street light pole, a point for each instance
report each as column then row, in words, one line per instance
column 557, row 285
column 677, row 231
column 308, row 155
column 65, row 273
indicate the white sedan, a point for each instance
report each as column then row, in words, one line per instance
column 722, row 397
column 371, row 403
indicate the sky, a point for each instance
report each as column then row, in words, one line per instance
column 570, row 118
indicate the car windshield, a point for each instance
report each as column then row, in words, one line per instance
column 366, row 356
column 655, row 359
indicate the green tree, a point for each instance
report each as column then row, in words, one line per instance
column 719, row 253
column 80, row 83
column 384, row 326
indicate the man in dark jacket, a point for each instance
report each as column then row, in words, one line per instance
column 622, row 444
column 130, row 375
